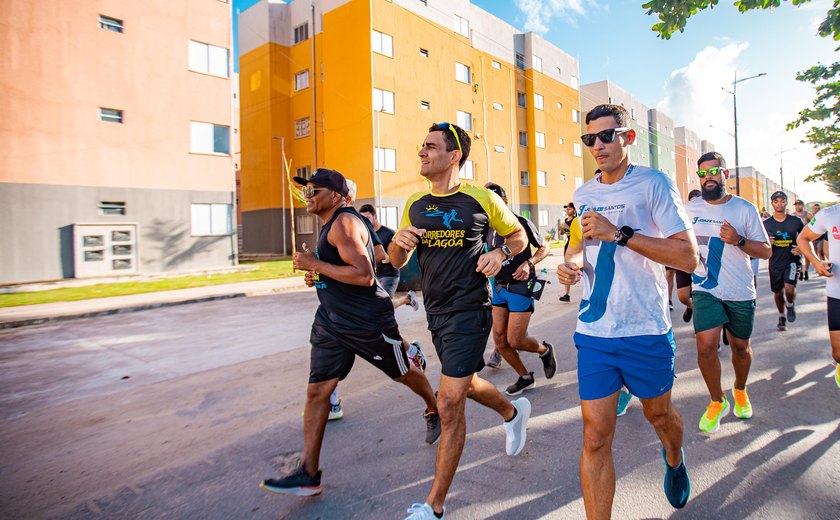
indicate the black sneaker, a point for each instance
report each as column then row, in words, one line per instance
column 549, row 360
column 565, row 298
column 782, row 323
column 724, row 337
column 298, row 483
column 521, row 384
column 806, row 274
column 670, row 305
column 432, row 426
column 689, row 311
column 791, row 314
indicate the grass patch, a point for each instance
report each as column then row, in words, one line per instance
column 264, row 271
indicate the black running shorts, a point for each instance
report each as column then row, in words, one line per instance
column 333, row 352
column 460, row 338
column 833, row 314
column 778, row 278
column 682, row 279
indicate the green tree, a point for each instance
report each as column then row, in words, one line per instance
column 825, row 137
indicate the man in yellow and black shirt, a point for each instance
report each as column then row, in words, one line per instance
column 447, row 226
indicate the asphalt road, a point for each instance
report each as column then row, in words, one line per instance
column 179, row 412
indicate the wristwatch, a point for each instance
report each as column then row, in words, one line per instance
column 506, row 250
column 623, row 234
column 742, row 241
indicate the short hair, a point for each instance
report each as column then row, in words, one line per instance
column 351, row 192
column 367, row 208
column 694, row 194
column 451, row 142
column 711, row 156
column 498, row 190
column 617, row 111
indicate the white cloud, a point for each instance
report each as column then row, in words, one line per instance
column 538, row 13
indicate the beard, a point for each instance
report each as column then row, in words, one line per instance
column 713, row 193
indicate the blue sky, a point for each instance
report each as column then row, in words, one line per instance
column 684, row 75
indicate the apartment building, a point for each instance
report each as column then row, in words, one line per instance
column 758, row 188
column 116, row 133
column 687, row 146
column 354, row 85
column 661, row 135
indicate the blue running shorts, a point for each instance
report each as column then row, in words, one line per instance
column 512, row 302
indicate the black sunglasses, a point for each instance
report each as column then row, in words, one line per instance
column 606, row 136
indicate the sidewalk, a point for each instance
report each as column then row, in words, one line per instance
column 24, row 315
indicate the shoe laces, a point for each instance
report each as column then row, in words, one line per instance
column 714, row 409
column 740, row 397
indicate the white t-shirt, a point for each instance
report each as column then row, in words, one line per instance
column 828, row 221
column 724, row 270
column 624, row 293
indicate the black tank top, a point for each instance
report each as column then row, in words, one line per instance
column 345, row 306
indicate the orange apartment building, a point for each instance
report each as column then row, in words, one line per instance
column 687, row 148
column 116, row 130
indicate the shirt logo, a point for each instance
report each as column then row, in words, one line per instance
column 835, row 232
column 705, row 221
column 448, row 216
column 602, row 209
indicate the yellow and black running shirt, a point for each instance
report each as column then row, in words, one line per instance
column 448, row 252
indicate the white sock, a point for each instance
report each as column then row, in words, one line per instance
column 334, row 400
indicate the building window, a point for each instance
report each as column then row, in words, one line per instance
column 424, row 53
column 522, row 99
column 304, row 171
column 559, row 105
column 209, row 138
column 302, row 80
column 538, row 102
column 536, row 63
column 111, row 208
column 301, row 127
column 424, row 105
column 574, row 82
column 633, row 114
column 542, row 179
column 111, row 115
column 578, row 150
column 524, row 178
column 462, row 26
column 497, row 106
column 561, row 141
column 499, row 148
column 496, row 65
column 110, row 24
column 462, row 73
column 539, row 140
column 543, row 217
column 464, row 120
column 523, row 138
column 575, row 116
column 520, row 61
column 305, row 224
column 578, row 182
column 385, row 159
column 526, row 213
column 673, row 156
column 559, row 72
column 208, row 59
column 302, row 32
column 382, row 43
column 466, row 171
column 211, row 219
column 383, row 101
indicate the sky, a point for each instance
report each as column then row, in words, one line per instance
column 684, row 76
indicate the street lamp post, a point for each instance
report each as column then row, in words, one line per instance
column 735, row 116
column 782, row 168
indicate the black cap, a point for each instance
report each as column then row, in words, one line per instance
column 569, row 205
column 778, row 194
column 326, row 178
column 694, row 193
column 799, row 201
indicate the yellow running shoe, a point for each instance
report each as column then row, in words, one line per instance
column 743, row 407
column 837, row 376
column 710, row 422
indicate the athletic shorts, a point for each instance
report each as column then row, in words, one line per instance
column 778, row 278
column 512, row 302
column 818, row 244
column 833, row 314
column 644, row 364
column 460, row 338
column 390, row 283
column 682, row 279
column 333, row 352
column 711, row 312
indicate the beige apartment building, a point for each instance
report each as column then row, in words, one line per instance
column 117, row 137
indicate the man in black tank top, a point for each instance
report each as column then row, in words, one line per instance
column 355, row 318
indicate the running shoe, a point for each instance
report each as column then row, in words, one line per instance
column 515, row 429
column 412, row 300
column 565, row 298
column 806, row 274
column 791, row 314
column 743, row 407
column 423, row 512
column 416, row 356
column 724, row 337
column 432, row 426
column 837, row 376
column 782, row 325
column 710, row 422
column 670, row 305
column 298, row 483
column 677, row 483
column 689, row 311
column 495, row 360
column 624, row 398
column 336, row 412
column 521, row 384
column 549, row 360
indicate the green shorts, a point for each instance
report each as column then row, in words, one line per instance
column 711, row 312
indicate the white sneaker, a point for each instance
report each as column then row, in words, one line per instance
column 412, row 300
column 515, row 431
column 422, row 512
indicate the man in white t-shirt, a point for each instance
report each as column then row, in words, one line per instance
column 827, row 222
column 729, row 231
column 633, row 224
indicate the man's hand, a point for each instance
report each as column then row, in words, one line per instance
column 489, row 264
column 523, row 272
column 309, row 278
column 772, row 239
column 596, row 226
column 728, row 234
column 795, row 251
column 408, row 237
column 822, row 269
column 569, row 273
column 305, row 259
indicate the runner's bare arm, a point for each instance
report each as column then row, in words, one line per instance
column 403, row 244
column 490, row 263
column 806, row 236
column 755, row 248
column 569, row 271
column 349, row 236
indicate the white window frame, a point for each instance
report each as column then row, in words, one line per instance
column 463, row 73
column 536, row 63
column 539, row 101
column 210, row 219
column 302, row 80
column 389, row 216
column 523, row 139
column 578, row 150
column 520, row 61
column 539, row 140
column 111, row 115
column 467, row 171
column 464, row 120
column 300, row 33
column 498, row 106
column 305, row 224
column 206, row 137
column 542, row 179
column 574, row 81
column 208, row 59
column 575, row 115
column 383, row 101
column 462, row 26
column 382, row 43
column 425, row 105
column 302, row 127
column 524, row 178
column 385, row 159
column 542, row 217
column 304, row 171
column 522, row 100
column 495, row 64
column 110, row 24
